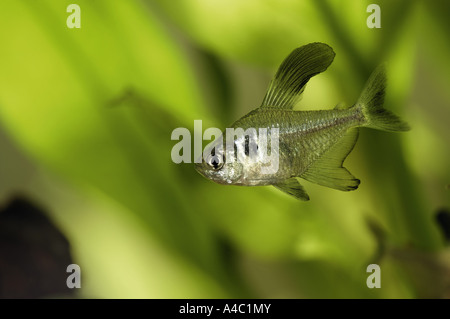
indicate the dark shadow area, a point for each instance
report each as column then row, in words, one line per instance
column 34, row 254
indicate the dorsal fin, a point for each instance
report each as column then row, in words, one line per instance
column 328, row 170
column 289, row 82
column 292, row 187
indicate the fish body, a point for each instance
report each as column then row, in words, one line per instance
column 310, row 144
column 304, row 137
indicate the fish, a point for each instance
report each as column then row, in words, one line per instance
column 311, row 144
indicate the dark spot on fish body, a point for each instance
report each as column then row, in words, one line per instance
column 247, row 145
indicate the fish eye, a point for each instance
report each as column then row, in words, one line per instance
column 215, row 161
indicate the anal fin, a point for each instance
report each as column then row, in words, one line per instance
column 328, row 170
column 292, row 187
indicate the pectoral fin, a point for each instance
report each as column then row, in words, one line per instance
column 290, row 80
column 292, row 187
column 328, row 170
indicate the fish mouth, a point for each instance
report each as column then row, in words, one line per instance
column 198, row 168
column 206, row 174
column 201, row 170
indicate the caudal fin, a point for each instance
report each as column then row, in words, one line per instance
column 371, row 103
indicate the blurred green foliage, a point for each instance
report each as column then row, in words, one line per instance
column 95, row 106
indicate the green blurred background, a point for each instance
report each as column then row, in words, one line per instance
column 85, row 122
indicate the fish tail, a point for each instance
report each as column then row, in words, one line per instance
column 371, row 104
